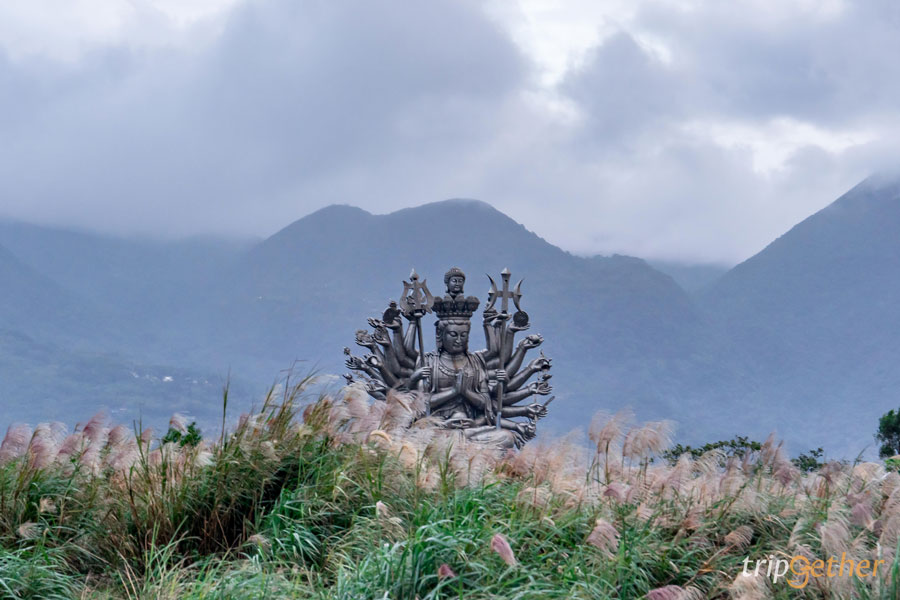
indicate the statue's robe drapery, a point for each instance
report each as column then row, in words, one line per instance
column 459, row 407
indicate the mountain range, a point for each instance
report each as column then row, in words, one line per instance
column 799, row 339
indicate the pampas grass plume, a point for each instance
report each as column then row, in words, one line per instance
column 669, row 592
column 445, row 572
column 15, row 442
column 604, row 537
column 740, row 538
column 500, row 545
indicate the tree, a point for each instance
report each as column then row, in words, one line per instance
column 191, row 437
column 889, row 433
column 811, row 461
column 738, row 447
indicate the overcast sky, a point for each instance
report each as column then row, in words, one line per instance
column 689, row 130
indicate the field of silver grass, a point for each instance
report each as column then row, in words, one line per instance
column 346, row 498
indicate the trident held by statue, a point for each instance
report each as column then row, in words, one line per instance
column 415, row 301
column 504, row 296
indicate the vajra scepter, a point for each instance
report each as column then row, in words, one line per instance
column 504, row 295
column 416, row 301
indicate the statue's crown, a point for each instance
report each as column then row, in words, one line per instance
column 458, row 308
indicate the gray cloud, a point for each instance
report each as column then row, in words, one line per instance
column 289, row 93
column 797, row 59
column 385, row 105
column 654, row 119
column 625, row 92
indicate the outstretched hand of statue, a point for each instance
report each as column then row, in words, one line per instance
column 497, row 320
column 395, row 325
column 373, row 385
column 541, row 388
column 532, row 341
column 355, row 363
column 539, row 363
column 522, row 327
column 374, row 361
column 525, row 431
column 364, row 339
column 536, row 411
column 380, row 335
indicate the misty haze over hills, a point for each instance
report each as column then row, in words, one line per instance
column 818, row 312
column 801, row 338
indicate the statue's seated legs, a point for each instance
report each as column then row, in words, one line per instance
column 499, row 438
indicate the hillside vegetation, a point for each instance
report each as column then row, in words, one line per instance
column 812, row 312
column 345, row 500
column 799, row 339
column 151, row 310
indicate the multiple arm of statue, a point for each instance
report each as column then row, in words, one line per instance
column 367, row 341
column 392, row 358
column 461, row 389
column 492, row 322
column 376, row 389
column 535, row 366
column 409, row 342
column 398, row 346
column 391, row 361
column 528, row 343
column 509, row 342
column 394, row 364
column 540, row 388
column 390, row 379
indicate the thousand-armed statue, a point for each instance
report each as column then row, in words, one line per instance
column 481, row 393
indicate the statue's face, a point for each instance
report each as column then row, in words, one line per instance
column 455, row 339
column 455, row 284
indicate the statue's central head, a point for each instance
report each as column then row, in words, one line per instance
column 454, row 279
column 453, row 312
column 452, row 336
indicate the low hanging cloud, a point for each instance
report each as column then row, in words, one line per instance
column 711, row 130
column 230, row 135
column 696, row 134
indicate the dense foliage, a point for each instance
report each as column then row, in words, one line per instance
column 888, row 434
column 738, row 446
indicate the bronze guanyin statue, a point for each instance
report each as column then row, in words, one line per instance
column 477, row 392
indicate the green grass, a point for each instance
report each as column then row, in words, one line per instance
column 341, row 505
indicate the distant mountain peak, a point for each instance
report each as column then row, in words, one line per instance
column 879, row 191
column 460, row 203
column 338, row 210
column 352, row 211
column 347, row 217
column 347, row 212
column 466, row 206
column 883, row 178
